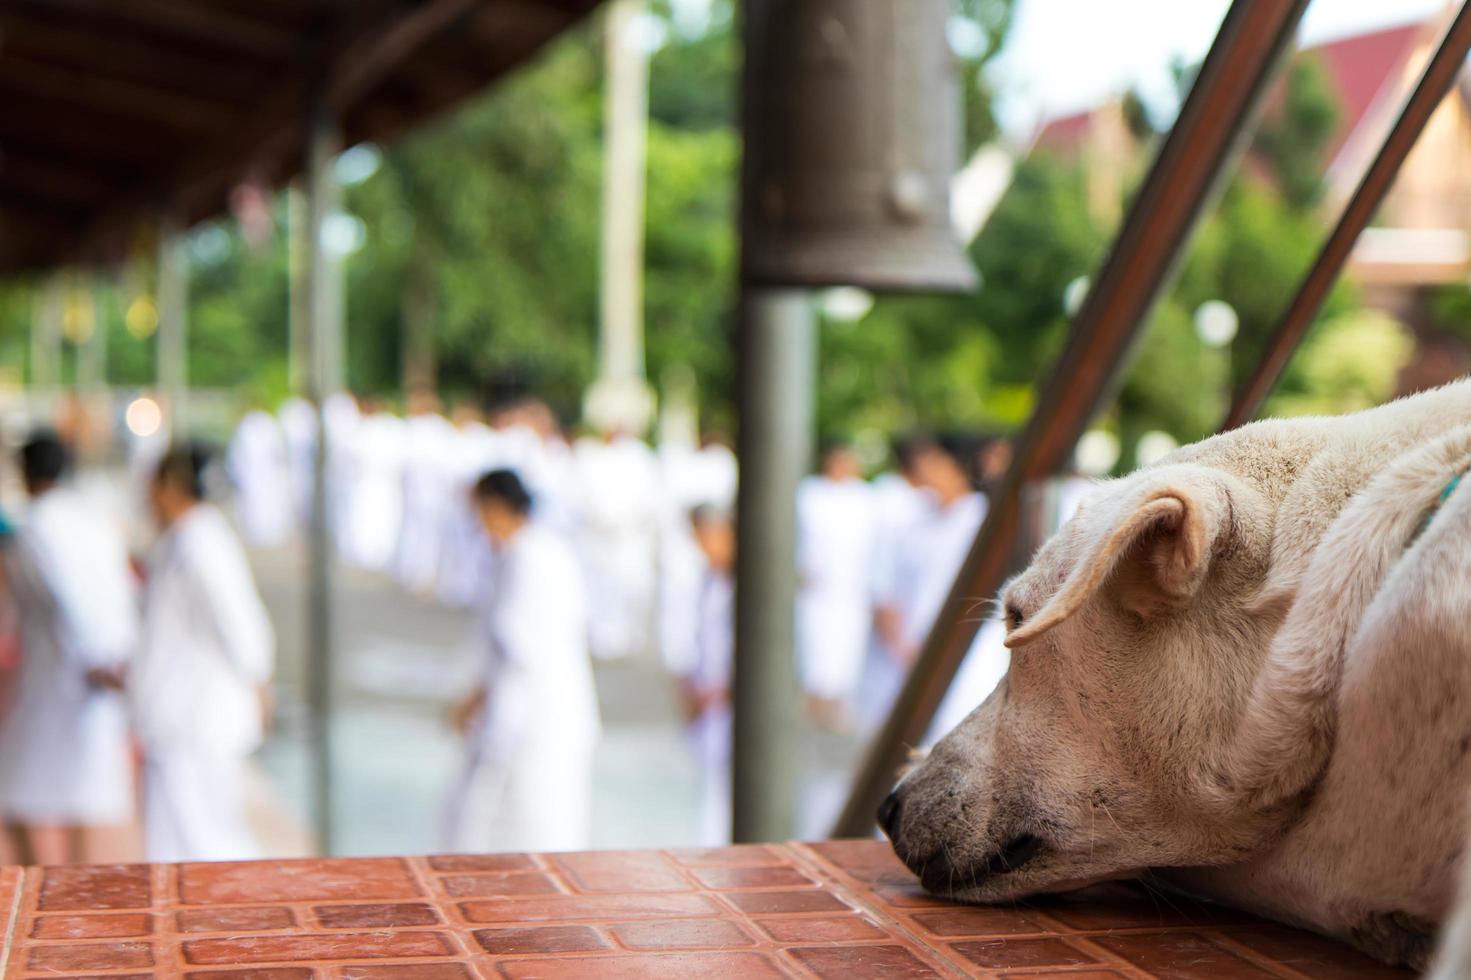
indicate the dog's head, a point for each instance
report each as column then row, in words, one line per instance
column 1136, row 635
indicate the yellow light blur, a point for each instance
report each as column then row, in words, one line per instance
column 77, row 320
column 141, row 318
column 144, row 417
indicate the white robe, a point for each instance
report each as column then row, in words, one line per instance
column 710, row 733
column 527, row 782
column 374, row 493
column 836, row 525
column 63, row 747
column 618, row 520
column 464, row 552
column 299, row 428
column 207, row 648
column 260, row 470
column 427, row 492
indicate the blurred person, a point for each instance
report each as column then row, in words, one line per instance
column 64, row 754
column 533, row 723
column 427, row 493
column 836, row 526
column 929, row 560
column 259, row 466
column 298, row 420
column 373, row 493
column 900, row 505
column 464, row 551
column 617, row 505
column 705, row 687
column 196, row 690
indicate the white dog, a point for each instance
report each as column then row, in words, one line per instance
column 1245, row 670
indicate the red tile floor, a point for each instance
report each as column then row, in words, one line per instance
column 843, row 909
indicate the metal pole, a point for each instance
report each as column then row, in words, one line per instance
column 1253, row 40
column 778, row 364
column 322, row 302
column 173, row 325
column 92, row 363
column 1435, row 82
column 46, row 316
column 298, row 354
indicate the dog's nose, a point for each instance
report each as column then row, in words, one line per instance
column 888, row 815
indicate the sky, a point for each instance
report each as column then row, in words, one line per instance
column 1067, row 55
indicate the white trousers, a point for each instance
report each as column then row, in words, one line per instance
column 538, row 800
column 194, row 807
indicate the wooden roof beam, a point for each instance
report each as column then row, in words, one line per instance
column 146, row 104
column 191, row 22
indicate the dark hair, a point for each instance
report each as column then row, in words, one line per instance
column 44, row 459
column 708, row 514
column 187, row 467
column 506, row 487
column 909, row 447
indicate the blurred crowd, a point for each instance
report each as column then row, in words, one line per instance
column 149, row 677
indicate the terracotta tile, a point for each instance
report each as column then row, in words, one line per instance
column 315, row 880
column 106, row 886
column 672, row 966
column 837, row 929
column 571, row 908
column 784, row 903
column 91, row 926
column 682, row 934
column 1129, row 906
column 258, row 919
column 93, row 956
column 1313, row 955
column 375, row 916
column 407, row 971
column 492, row 885
column 623, row 872
column 724, row 879
column 10, row 883
column 260, row 973
column 108, row 976
column 541, row 939
column 998, row 954
column 848, row 962
column 979, row 921
column 314, row 948
column 481, row 862
column 748, row 855
column 866, row 860
column 1068, row 974
column 910, row 896
column 1180, row 956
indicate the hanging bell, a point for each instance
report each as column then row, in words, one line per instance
column 853, row 132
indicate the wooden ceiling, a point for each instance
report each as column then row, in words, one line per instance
column 114, row 111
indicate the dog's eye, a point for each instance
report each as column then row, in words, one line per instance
column 1014, row 617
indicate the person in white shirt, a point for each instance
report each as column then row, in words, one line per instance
column 64, row 761
column 196, row 689
column 373, row 494
column 836, row 524
column 533, row 723
column 705, row 685
column 260, row 471
column 428, row 465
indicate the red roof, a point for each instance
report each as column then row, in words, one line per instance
column 1065, row 134
column 1359, row 66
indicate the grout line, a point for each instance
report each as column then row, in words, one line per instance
column 865, row 899
column 7, row 944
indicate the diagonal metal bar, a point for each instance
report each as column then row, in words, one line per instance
column 1436, row 81
column 1254, row 37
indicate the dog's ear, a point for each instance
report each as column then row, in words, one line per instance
column 1152, row 550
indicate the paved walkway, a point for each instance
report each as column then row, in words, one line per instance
column 836, row 910
column 401, row 662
